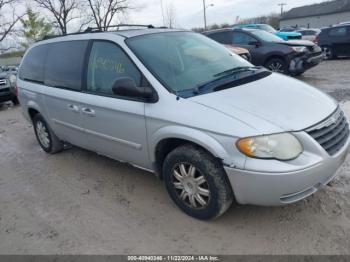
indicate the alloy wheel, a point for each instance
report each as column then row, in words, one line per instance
column 43, row 134
column 191, row 186
column 276, row 67
column 328, row 52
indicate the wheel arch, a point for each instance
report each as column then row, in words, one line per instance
column 33, row 109
column 168, row 138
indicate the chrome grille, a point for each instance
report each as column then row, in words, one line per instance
column 332, row 133
column 2, row 81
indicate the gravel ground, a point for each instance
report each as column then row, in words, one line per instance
column 77, row 202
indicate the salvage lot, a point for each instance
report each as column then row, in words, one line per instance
column 77, row 202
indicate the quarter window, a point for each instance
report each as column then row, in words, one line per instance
column 32, row 68
column 64, row 65
column 107, row 63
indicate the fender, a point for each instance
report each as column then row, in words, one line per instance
column 34, row 105
column 192, row 135
column 30, row 105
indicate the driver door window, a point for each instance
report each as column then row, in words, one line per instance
column 239, row 38
column 107, row 63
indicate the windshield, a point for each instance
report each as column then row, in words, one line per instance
column 266, row 36
column 267, row 28
column 184, row 60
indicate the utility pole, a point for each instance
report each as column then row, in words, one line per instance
column 281, row 5
column 205, row 15
column 161, row 6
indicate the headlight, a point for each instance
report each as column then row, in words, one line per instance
column 12, row 79
column 283, row 146
column 299, row 49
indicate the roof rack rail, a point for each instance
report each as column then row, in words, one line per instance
column 96, row 29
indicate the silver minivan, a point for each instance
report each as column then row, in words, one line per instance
column 213, row 127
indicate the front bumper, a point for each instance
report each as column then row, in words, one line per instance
column 300, row 64
column 6, row 93
column 271, row 189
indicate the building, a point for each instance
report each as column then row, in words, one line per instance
column 317, row 15
column 11, row 58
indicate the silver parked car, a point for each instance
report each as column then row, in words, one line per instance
column 176, row 103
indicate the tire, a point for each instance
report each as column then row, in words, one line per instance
column 47, row 140
column 276, row 65
column 208, row 180
column 15, row 100
column 329, row 53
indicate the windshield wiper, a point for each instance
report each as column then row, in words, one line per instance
column 233, row 71
column 236, row 70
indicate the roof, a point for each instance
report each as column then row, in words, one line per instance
column 229, row 29
column 325, row 8
column 138, row 32
column 126, row 33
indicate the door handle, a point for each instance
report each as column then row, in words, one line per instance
column 74, row 108
column 88, row 111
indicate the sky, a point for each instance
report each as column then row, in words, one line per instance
column 189, row 13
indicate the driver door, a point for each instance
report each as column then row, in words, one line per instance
column 115, row 125
column 242, row 39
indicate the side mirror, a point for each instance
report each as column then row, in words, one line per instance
column 255, row 43
column 126, row 86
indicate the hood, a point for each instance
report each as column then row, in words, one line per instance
column 299, row 43
column 237, row 50
column 273, row 104
column 3, row 74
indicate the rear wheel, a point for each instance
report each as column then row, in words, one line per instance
column 197, row 182
column 276, row 65
column 328, row 52
column 45, row 136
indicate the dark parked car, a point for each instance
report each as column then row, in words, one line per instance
column 335, row 41
column 7, row 87
column 292, row 57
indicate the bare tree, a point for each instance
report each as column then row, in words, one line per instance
column 62, row 11
column 8, row 21
column 105, row 11
column 170, row 15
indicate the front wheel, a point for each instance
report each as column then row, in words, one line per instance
column 197, row 182
column 45, row 136
column 276, row 65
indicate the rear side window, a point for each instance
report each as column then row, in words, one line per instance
column 222, row 37
column 338, row 32
column 64, row 64
column 32, row 68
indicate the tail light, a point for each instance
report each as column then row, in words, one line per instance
column 316, row 40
